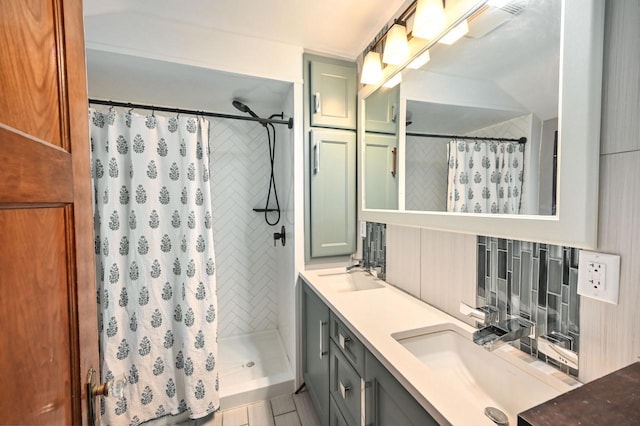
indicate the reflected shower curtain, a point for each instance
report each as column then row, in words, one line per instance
column 485, row 177
column 155, row 264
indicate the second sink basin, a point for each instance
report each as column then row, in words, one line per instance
column 475, row 377
column 352, row 281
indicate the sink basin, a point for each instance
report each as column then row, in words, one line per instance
column 477, row 378
column 352, row 281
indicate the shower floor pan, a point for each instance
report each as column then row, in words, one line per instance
column 252, row 367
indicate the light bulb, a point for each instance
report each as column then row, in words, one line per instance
column 455, row 34
column 396, row 47
column 429, row 20
column 420, row 60
column 371, row 69
column 393, row 81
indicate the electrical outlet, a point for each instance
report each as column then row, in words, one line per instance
column 599, row 276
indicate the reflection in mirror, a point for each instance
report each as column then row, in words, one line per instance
column 381, row 149
column 500, row 84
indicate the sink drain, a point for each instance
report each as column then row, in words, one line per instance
column 250, row 364
column 496, row 416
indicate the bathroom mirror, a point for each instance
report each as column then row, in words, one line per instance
column 526, row 70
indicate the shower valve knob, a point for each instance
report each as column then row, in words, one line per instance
column 280, row 236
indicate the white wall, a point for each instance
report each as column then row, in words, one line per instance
column 156, row 38
column 285, row 180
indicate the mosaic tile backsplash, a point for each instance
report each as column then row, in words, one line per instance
column 538, row 282
column 374, row 248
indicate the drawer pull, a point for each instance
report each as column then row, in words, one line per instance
column 343, row 390
column 321, row 345
column 343, row 340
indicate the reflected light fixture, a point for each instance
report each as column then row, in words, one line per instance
column 371, row 68
column 455, row 34
column 393, row 81
column 418, row 62
column 396, row 46
column 429, row 20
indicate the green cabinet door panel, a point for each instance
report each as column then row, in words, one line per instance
column 381, row 171
column 333, row 94
column 315, row 351
column 387, row 402
column 381, row 111
column 333, row 189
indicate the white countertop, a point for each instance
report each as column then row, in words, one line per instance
column 374, row 315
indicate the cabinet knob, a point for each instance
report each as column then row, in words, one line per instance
column 343, row 390
column 343, row 340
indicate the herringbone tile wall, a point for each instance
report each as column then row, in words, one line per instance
column 245, row 258
column 426, row 182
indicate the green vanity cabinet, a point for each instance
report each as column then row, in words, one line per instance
column 347, row 384
column 333, row 187
column 381, row 171
column 315, row 350
column 332, row 94
column 388, row 402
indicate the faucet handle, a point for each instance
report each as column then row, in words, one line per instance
column 482, row 314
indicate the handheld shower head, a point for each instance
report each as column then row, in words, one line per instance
column 244, row 108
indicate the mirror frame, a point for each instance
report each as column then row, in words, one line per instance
column 576, row 220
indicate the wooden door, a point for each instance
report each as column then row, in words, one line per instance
column 48, row 320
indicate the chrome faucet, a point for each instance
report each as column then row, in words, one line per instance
column 484, row 315
column 493, row 333
column 359, row 263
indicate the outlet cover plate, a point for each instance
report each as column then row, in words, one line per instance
column 599, row 276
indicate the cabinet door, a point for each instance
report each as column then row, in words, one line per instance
column 387, row 402
column 381, row 111
column 381, row 171
column 49, row 335
column 315, row 350
column 333, row 187
column 333, row 91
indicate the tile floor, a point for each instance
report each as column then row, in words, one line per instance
column 283, row 410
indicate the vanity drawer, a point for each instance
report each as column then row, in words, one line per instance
column 345, row 386
column 348, row 343
column 335, row 416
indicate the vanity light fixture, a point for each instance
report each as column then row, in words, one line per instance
column 393, row 81
column 455, row 34
column 396, row 46
column 371, row 68
column 429, row 20
column 418, row 62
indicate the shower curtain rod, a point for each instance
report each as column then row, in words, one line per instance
column 288, row 122
column 475, row 138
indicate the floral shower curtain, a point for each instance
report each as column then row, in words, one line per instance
column 155, row 264
column 485, row 177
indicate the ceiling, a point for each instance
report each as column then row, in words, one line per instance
column 336, row 27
